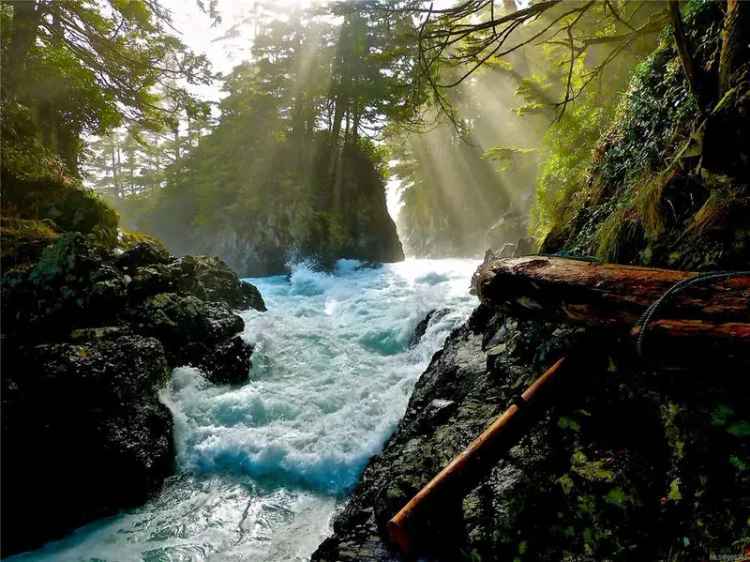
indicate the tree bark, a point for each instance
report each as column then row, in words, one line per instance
column 27, row 15
column 734, row 42
column 605, row 294
column 692, row 73
column 692, row 341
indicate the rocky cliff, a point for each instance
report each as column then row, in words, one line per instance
column 89, row 337
column 288, row 216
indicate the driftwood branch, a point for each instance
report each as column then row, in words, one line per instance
column 468, row 467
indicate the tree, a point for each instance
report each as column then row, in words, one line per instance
column 87, row 66
column 474, row 33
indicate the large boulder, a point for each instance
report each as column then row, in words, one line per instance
column 84, row 434
column 177, row 319
column 145, row 252
column 197, row 333
column 89, row 336
column 210, row 279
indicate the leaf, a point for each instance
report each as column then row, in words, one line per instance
column 674, row 490
column 740, row 429
column 616, row 496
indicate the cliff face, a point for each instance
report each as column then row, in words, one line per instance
column 669, row 182
column 91, row 329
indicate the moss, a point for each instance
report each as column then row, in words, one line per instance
column 674, row 494
column 128, row 239
column 67, row 205
column 676, row 441
column 616, row 496
column 22, row 240
column 591, row 470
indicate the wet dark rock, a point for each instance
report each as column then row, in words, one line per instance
column 84, row 434
column 228, row 362
column 104, row 333
column 150, row 280
column 210, row 279
column 419, row 331
column 627, row 463
column 143, row 254
column 179, row 319
column 88, row 339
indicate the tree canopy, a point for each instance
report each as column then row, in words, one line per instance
column 84, row 67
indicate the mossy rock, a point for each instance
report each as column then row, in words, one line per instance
column 71, row 207
column 23, row 240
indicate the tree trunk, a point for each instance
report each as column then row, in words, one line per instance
column 734, row 42
column 120, row 190
column 696, row 81
column 703, row 322
column 691, row 341
column 605, row 294
column 27, row 15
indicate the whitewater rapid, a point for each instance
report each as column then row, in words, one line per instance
column 263, row 467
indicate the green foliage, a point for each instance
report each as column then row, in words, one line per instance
column 567, row 148
column 290, row 163
column 128, row 239
column 564, row 181
column 86, row 66
column 591, row 470
column 641, row 199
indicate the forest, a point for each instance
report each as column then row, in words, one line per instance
column 403, row 211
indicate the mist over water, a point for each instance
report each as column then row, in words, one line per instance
column 263, row 467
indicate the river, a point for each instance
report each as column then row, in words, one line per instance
column 262, row 468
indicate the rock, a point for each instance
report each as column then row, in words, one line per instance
column 144, row 253
column 88, row 337
column 511, row 226
column 84, row 434
column 421, row 328
column 524, row 247
column 151, row 279
column 83, row 335
column 209, row 278
column 626, row 463
column 229, row 362
column 180, row 319
column 70, row 285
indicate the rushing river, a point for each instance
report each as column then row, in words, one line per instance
column 263, row 467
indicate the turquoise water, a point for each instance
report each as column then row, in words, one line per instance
column 262, row 468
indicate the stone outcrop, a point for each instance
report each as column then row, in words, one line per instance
column 89, row 337
column 629, row 461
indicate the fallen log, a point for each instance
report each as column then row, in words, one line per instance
column 608, row 295
column 687, row 341
column 465, row 470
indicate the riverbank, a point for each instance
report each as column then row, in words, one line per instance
column 262, row 467
column 629, row 461
column 90, row 336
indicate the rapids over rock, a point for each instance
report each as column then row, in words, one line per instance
column 263, row 467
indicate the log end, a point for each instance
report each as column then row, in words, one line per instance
column 398, row 536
